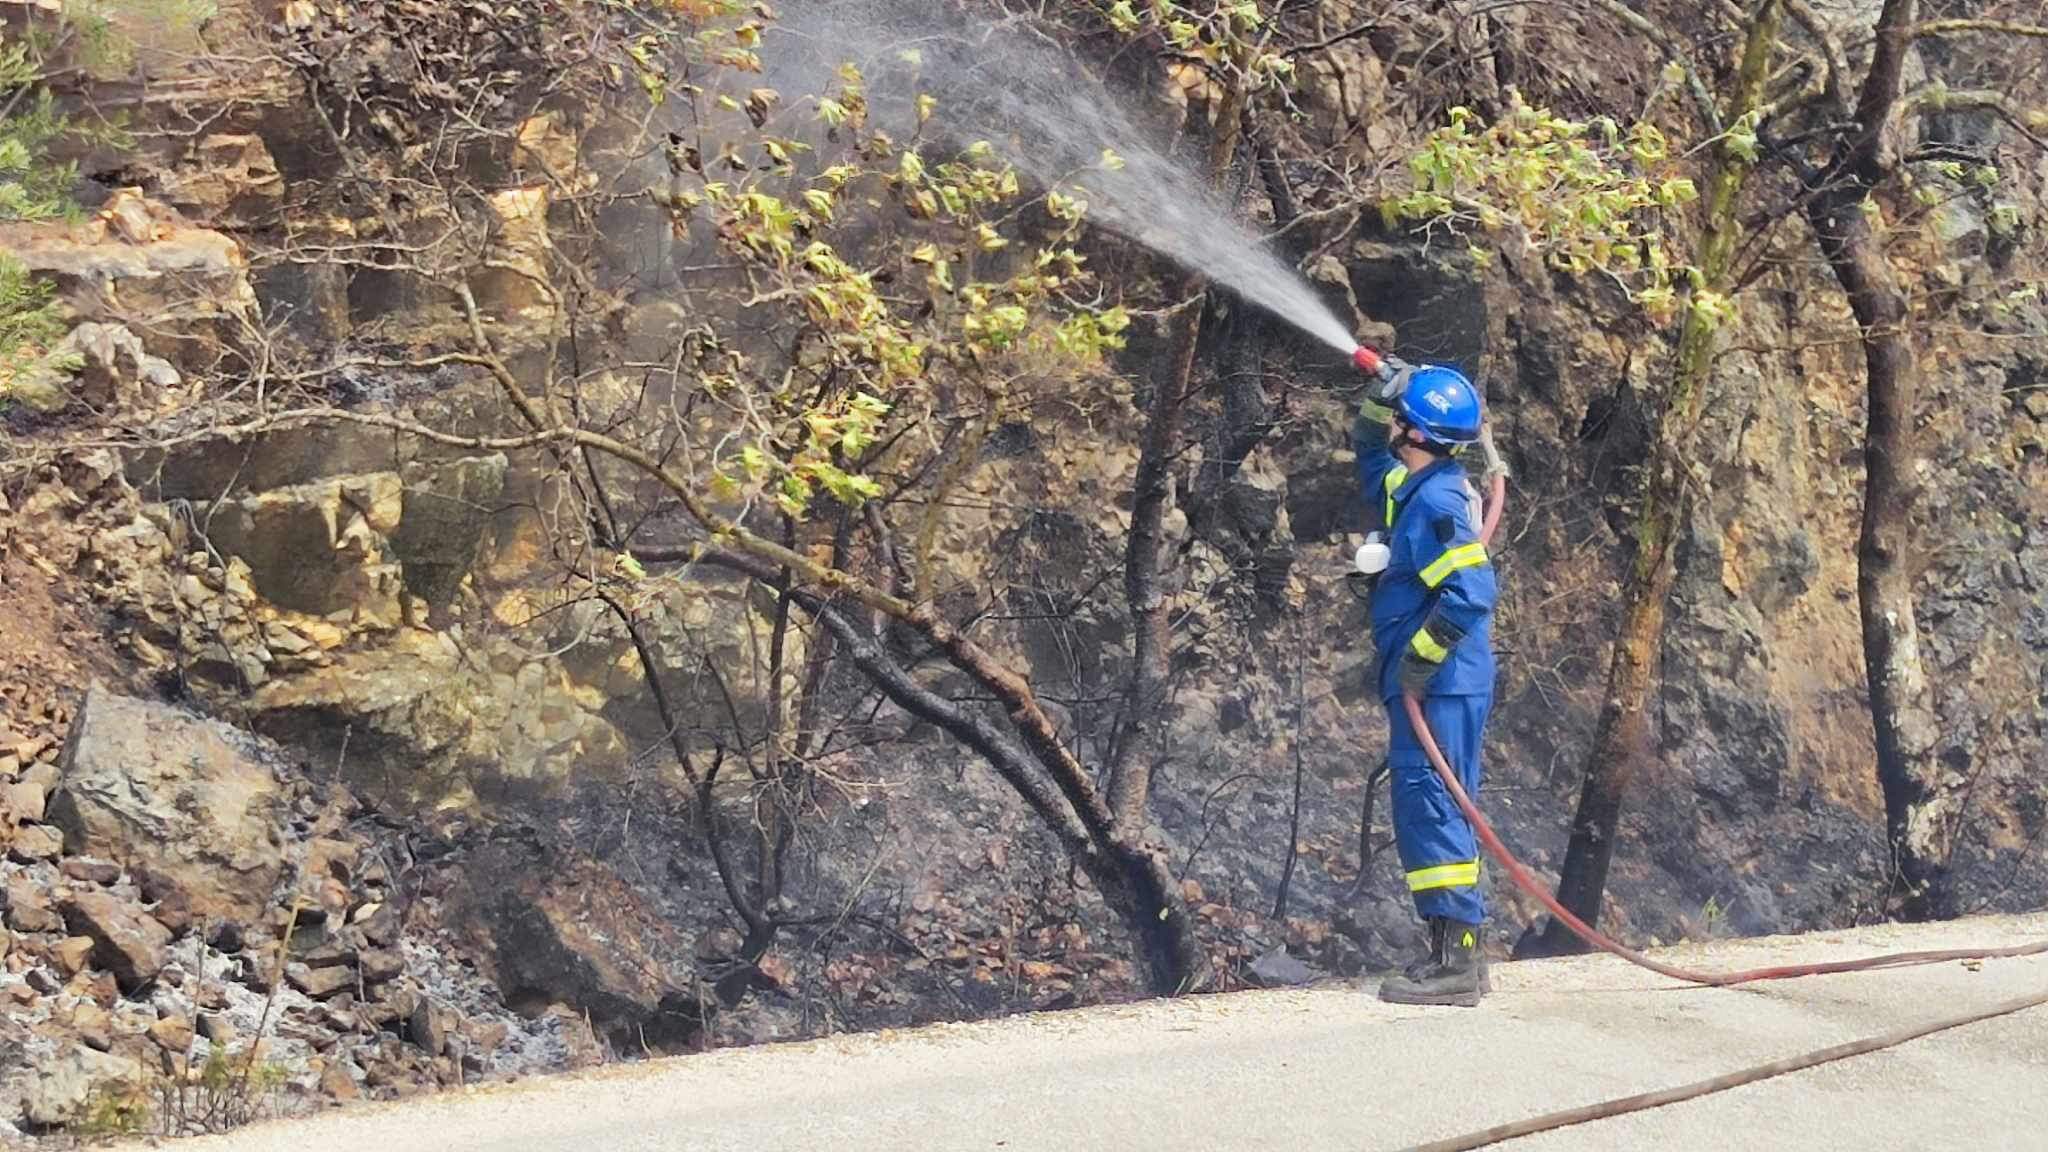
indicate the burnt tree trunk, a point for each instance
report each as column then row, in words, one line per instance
column 1921, row 799
column 1624, row 740
column 1132, row 875
column 1141, row 741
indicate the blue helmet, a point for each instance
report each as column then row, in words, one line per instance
column 1441, row 404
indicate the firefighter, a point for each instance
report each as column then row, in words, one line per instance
column 1431, row 607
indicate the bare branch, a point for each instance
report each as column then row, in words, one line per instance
column 1939, row 99
column 1962, row 27
column 1834, row 84
column 1662, row 38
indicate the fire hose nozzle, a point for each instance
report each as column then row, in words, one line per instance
column 1368, row 361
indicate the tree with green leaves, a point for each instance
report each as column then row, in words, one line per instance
column 874, row 294
column 1853, row 145
column 1785, row 102
column 1598, row 199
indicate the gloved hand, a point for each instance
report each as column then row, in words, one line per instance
column 1426, row 652
column 1493, row 464
column 1378, row 407
column 1415, row 673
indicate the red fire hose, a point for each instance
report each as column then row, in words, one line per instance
column 1527, row 882
column 1496, row 499
column 1495, row 502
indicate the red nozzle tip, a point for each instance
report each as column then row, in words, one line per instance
column 1368, row 361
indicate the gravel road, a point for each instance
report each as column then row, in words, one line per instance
column 1322, row 1068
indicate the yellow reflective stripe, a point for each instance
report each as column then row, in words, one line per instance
column 1463, row 874
column 1426, row 646
column 1396, row 476
column 1463, row 556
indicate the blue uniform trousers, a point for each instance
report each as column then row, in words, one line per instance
column 1437, row 847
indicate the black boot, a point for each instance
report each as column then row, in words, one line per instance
column 1432, row 952
column 1452, row 978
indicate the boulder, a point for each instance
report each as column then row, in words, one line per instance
column 558, row 926
column 338, row 1080
column 320, row 983
column 173, row 1034
column 580, row 1046
column 28, row 906
column 90, row 871
column 94, row 1025
column 127, row 941
column 431, row 1025
column 109, row 366
column 27, row 799
column 1278, row 969
column 218, row 1030
column 191, row 801
column 35, row 842
column 66, row 1083
column 71, row 954
column 380, row 965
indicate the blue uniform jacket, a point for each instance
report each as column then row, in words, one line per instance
column 1438, row 565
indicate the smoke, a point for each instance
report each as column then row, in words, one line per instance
column 1009, row 84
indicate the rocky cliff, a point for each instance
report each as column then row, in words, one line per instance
column 372, row 793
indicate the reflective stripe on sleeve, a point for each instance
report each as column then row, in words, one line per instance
column 1463, row 556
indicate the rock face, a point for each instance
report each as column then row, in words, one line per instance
column 139, row 257
column 319, row 548
column 421, row 719
column 191, row 802
column 231, row 180
column 396, row 612
column 444, row 521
